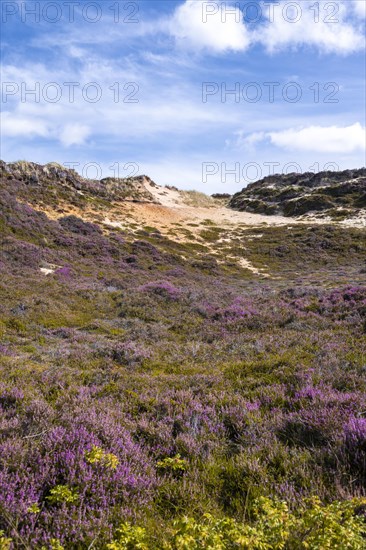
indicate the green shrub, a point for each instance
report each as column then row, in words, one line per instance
column 332, row 527
column 63, row 494
column 313, row 527
column 129, row 537
column 54, row 545
column 98, row 456
column 4, row 542
column 318, row 527
column 174, row 465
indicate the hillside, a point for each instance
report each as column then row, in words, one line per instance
column 54, row 180
column 332, row 195
column 163, row 357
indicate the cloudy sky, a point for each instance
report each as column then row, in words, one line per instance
column 195, row 93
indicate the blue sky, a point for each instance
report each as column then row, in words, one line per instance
column 152, row 80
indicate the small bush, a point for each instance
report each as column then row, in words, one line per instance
column 315, row 527
column 174, row 465
column 79, row 226
column 5, row 542
column 129, row 537
column 161, row 288
column 61, row 494
column 355, row 447
column 98, row 456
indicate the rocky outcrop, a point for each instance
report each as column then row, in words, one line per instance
column 221, row 196
column 129, row 188
column 334, row 194
column 53, row 179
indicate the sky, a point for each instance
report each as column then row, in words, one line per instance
column 199, row 94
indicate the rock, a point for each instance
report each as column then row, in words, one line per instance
column 221, row 196
column 54, row 177
column 329, row 193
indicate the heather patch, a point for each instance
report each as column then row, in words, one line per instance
column 146, row 384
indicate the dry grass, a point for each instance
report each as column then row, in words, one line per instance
column 196, row 198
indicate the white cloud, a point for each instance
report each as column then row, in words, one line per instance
column 214, row 26
column 298, row 24
column 15, row 125
column 218, row 27
column 74, row 134
column 319, row 139
column 359, row 7
column 161, row 109
column 244, row 141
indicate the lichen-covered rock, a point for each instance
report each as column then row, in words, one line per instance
column 324, row 193
column 133, row 188
column 67, row 183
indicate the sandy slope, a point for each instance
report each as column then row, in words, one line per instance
column 181, row 216
column 173, row 215
column 173, row 205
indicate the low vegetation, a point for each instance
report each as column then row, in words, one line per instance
column 338, row 195
column 154, row 395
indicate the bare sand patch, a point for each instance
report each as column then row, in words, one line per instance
column 182, row 215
